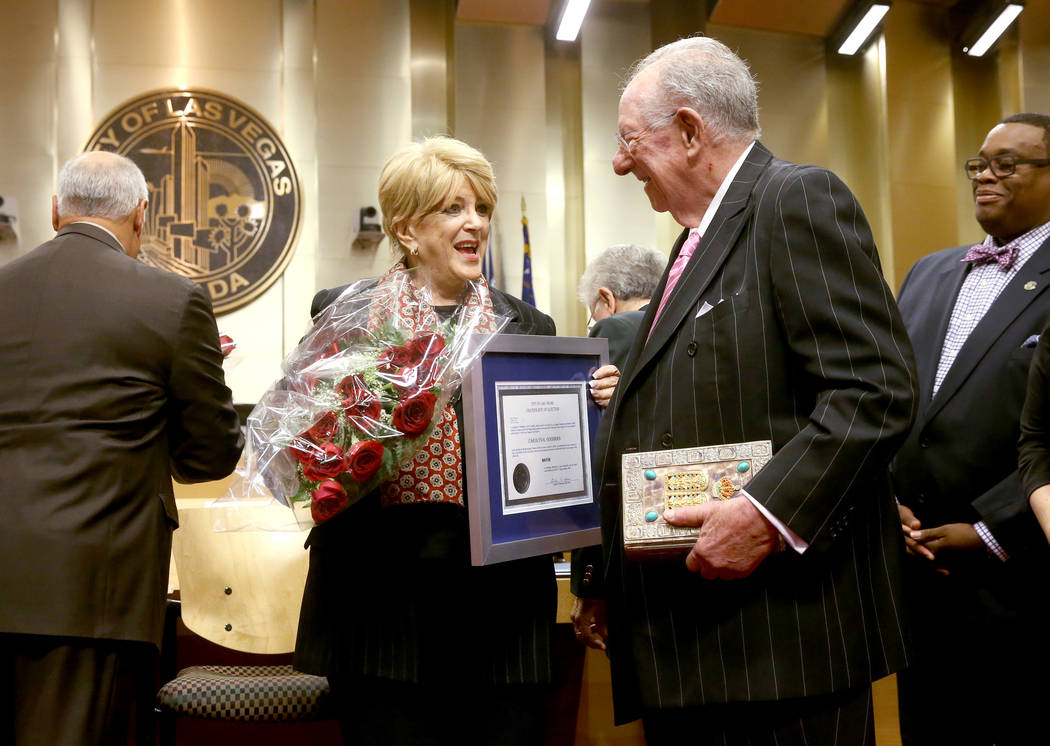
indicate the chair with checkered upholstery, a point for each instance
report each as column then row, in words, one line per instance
column 240, row 589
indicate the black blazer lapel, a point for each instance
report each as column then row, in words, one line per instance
column 945, row 284
column 650, row 313
column 1010, row 304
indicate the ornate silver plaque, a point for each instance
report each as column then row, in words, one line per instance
column 657, row 480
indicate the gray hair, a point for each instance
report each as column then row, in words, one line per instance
column 705, row 75
column 99, row 184
column 628, row 270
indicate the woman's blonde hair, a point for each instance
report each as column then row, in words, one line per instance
column 417, row 180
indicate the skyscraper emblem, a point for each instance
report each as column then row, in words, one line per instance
column 225, row 200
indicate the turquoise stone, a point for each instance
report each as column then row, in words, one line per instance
column 650, row 474
column 743, row 466
column 651, row 516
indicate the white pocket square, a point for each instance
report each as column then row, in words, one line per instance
column 705, row 307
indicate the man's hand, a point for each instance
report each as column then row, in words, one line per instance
column 949, row 538
column 910, row 523
column 734, row 537
column 588, row 618
column 603, row 384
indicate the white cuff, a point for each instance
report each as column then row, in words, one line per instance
column 989, row 541
column 795, row 541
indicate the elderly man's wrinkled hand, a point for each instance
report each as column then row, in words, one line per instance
column 603, row 384
column 734, row 537
column 588, row 619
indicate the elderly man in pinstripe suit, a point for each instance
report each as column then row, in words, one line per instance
column 773, row 322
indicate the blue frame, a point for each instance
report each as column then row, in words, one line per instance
column 510, row 358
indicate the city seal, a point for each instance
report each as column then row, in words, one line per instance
column 225, row 199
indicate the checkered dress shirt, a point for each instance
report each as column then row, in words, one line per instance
column 979, row 290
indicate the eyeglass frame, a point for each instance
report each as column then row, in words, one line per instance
column 623, row 142
column 986, row 164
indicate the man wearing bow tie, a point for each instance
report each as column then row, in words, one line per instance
column 974, row 314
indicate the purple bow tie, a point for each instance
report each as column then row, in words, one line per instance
column 981, row 254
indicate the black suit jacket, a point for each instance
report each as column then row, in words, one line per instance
column 802, row 345
column 620, row 329
column 959, row 464
column 110, row 382
column 391, row 592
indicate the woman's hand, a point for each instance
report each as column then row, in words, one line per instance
column 603, row 384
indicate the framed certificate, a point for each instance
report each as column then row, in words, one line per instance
column 529, row 428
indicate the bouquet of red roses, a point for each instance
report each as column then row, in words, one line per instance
column 361, row 393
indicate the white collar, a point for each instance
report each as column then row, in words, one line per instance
column 716, row 201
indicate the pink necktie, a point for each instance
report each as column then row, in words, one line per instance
column 691, row 242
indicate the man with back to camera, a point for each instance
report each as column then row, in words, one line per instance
column 978, row 558
column 616, row 287
column 772, row 322
column 111, row 382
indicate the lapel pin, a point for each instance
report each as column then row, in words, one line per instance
column 1030, row 285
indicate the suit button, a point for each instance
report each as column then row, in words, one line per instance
column 924, row 442
column 588, row 569
column 691, row 349
column 586, row 581
column 667, row 441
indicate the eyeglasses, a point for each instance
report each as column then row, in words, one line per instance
column 1000, row 165
column 628, row 140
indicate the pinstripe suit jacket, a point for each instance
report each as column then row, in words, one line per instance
column 803, row 346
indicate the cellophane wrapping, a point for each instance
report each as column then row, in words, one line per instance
column 360, row 395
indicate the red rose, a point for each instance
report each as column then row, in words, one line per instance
column 324, row 429
column 331, row 351
column 428, row 346
column 405, row 381
column 395, row 358
column 302, row 449
column 361, row 405
column 325, row 463
column 412, row 416
column 364, row 459
column 328, row 499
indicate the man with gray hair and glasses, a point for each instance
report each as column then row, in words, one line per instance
column 111, row 383
column 772, row 323
column 616, row 287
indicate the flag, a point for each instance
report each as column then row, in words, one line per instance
column 527, row 294
column 492, row 264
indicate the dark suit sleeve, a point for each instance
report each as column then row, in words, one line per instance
column 323, row 299
column 204, row 434
column 620, row 335
column 1004, row 508
column 1035, row 420
column 852, row 354
column 586, row 579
